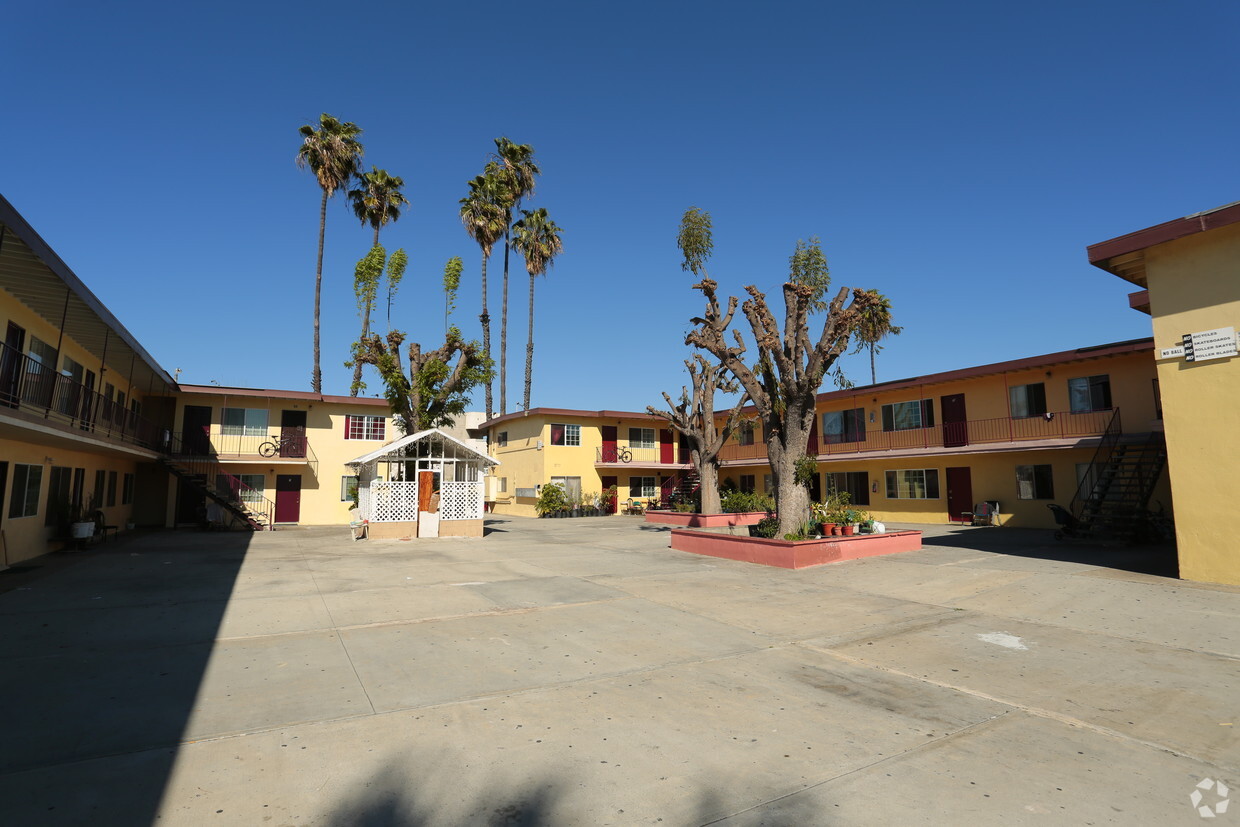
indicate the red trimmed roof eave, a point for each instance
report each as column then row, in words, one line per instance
column 570, row 412
column 309, row 396
column 1100, row 254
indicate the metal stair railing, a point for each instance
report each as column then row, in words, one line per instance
column 202, row 469
column 1088, row 489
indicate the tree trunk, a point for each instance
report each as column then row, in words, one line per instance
column 529, row 351
column 708, row 479
column 786, row 442
column 873, row 372
column 503, row 338
column 316, row 376
column 485, row 318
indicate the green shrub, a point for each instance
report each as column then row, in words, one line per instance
column 738, row 502
column 552, row 498
column 767, row 527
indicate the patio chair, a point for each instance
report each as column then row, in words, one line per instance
column 985, row 513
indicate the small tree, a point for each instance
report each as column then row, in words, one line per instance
column 366, row 277
column 783, row 382
column 694, row 416
column 875, row 326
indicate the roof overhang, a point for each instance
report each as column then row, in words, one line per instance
column 1125, row 256
column 395, row 450
column 32, row 272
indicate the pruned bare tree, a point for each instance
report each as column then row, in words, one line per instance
column 694, row 417
column 784, row 381
column 436, row 387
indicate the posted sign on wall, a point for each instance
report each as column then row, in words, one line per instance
column 1208, row 344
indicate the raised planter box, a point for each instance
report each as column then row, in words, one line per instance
column 789, row 554
column 688, row 519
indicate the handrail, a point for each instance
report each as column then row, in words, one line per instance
column 207, row 467
column 1056, row 425
column 1088, row 484
column 245, row 447
column 28, row 384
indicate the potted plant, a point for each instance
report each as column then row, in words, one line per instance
column 850, row 517
column 608, row 498
column 550, row 500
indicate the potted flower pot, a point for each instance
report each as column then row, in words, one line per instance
column 836, row 531
column 847, row 530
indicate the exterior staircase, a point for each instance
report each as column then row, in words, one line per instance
column 1113, row 500
column 248, row 508
column 681, row 487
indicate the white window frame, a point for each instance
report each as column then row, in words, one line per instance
column 906, row 487
column 373, row 428
column 1018, row 400
column 347, row 480
column 254, row 422
column 24, row 492
column 572, row 435
column 1089, row 385
column 648, row 487
column 911, row 423
column 642, row 441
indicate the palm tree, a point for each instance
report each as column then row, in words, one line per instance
column 376, row 201
column 516, row 168
column 332, row 153
column 538, row 241
column 875, row 326
column 485, row 219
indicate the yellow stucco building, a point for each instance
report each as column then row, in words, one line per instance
column 1023, row 434
column 1189, row 272
column 93, row 429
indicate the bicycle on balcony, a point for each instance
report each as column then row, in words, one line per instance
column 285, row 446
column 617, row 454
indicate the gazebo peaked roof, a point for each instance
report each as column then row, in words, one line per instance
column 395, row 449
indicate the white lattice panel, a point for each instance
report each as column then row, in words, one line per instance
column 461, row 501
column 394, row 501
column 364, row 510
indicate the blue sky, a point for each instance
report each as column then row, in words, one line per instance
column 958, row 157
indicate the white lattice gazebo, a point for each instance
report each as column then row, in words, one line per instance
column 427, row 484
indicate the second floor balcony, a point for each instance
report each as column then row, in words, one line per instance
column 1060, row 427
column 288, row 446
column 40, row 392
column 630, row 454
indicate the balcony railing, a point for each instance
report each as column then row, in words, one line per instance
column 249, row 447
column 31, row 386
column 630, row 455
column 1058, row 425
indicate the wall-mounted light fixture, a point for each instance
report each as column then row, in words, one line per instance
column 871, row 416
column 874, row 487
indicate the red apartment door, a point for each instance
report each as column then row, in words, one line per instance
column 292, row 434
column 288, row 498
column 667, row 447
column 609, row 444
column 959, row 492
column 608, row 482
column 955, row 421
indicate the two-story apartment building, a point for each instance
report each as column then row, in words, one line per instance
column 92, row 427
column 1021, row 433
column 1188, row 274
column 80, row 401
column 587, row 452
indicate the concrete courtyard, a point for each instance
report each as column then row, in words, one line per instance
column 576, row 672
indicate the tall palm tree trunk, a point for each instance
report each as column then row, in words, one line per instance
column 873, row 371
column 485, row 318
column 529, row 349
column 503, row 338
column 316, row 376
column 357, row 364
